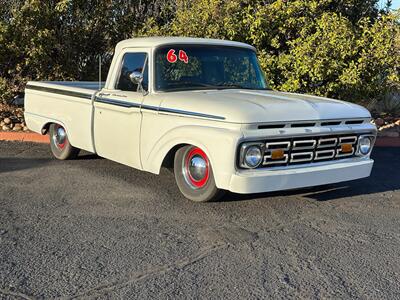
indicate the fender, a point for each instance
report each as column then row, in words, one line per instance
column 39, row 123
column 217, row 143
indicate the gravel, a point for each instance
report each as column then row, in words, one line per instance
column 92, row 228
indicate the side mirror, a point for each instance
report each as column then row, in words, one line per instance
column 136, row 77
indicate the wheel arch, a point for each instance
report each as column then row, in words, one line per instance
column 46, row 127
column 167, row 154
column 168, row 161
column 218, row 144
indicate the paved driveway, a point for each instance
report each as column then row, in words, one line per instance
column 92, row 228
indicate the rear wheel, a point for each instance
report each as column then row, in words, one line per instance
column 59, row 143
column 194, row 175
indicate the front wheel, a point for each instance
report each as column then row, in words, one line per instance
column 59, row 143
column 194, row 175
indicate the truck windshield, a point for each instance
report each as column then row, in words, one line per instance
column 195, row 67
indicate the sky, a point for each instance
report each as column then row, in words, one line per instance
column 395, row 3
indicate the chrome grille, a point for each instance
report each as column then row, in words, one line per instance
column 310, row 149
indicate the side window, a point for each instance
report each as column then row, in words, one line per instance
column 132, row 62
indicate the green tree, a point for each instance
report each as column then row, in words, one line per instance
column 343, row 49
column 347, row 49
column 63, row 39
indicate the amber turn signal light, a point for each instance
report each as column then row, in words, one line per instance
column 277, row 154
column 346, row 148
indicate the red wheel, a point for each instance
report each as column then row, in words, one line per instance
column 194, row 175
column 196, row 168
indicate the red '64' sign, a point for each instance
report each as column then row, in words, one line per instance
column 172, row 57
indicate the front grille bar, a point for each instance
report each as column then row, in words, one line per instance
column 317, row 149
column 304, row 144
column 301, row 157
column 324, row 154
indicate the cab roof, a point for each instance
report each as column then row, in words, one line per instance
column 152, row 42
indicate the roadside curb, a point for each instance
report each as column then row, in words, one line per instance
column 24, row 137
column 38, row 138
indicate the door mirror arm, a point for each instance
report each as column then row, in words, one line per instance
column 137, row 78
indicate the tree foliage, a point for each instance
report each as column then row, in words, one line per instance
column 348, row 49
column 345, row 49
column 63, row 39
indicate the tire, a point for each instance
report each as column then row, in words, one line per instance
column 59, row 143
column 195, row 183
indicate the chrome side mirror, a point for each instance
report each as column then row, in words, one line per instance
column 136, row 77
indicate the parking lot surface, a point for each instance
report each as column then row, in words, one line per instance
column 92, row 228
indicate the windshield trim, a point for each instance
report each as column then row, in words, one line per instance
column 204, row 88
column 154, row 88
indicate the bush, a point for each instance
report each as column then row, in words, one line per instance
column 347, row 49
column 63, row 39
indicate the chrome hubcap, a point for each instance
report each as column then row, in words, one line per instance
column 197, row 168
column 59, row 137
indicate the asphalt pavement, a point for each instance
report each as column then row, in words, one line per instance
column 92, row 228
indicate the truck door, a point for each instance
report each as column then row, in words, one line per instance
column 117, row 116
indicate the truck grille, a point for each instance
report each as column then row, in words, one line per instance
column 309, row 149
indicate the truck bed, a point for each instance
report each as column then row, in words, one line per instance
column 66, row 102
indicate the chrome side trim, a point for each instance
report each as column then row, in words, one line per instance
column 59, row 91
column 189, row 113
column 125, row 104
column 155, row 108
column 117, row 102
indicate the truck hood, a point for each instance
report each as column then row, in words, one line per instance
column 250, row 106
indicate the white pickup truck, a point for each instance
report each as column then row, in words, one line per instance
column 202, row 107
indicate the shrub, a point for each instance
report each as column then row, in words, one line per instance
column 346, row 49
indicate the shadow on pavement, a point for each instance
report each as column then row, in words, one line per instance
column 385, row 177
column 10, row 164
column 87, row 156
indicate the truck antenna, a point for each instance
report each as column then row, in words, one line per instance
column 99, row 72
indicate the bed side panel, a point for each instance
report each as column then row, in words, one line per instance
column 69, row 107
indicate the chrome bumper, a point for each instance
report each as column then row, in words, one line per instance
column 262, row 180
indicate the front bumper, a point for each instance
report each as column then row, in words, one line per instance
column 259, row 181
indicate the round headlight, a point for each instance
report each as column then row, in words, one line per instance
column 364, row 145
column 253, row 156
